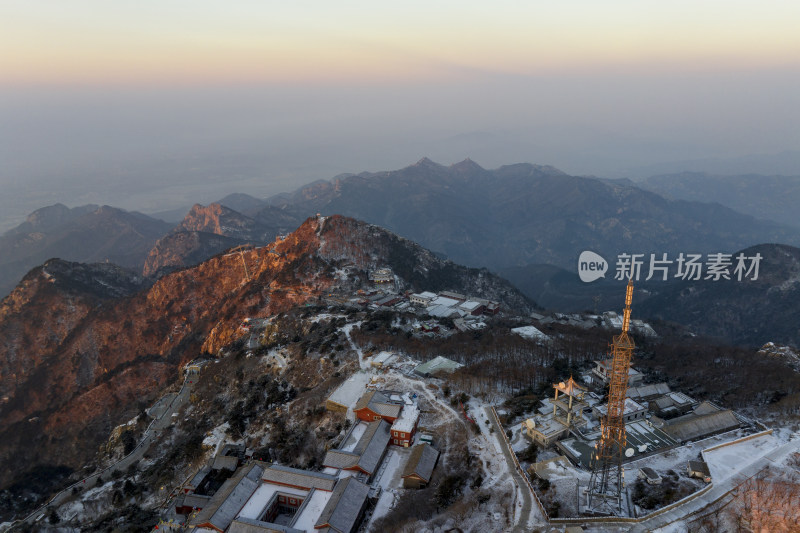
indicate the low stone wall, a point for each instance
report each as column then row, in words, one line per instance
column 615, row 519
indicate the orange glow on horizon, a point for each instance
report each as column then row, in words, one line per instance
column 51, row 42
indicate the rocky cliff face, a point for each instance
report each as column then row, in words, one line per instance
column 86, row 347
column 220, row 220
column 209, row 230
column 185, row 248
column 76, row 363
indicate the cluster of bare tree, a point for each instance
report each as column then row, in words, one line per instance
column 768, row 501
column 732, row 375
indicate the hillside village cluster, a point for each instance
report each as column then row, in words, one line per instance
column 390, row 442
column 237, row 493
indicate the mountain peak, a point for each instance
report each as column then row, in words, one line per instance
column 467, row 165
column 425, row 162
column 213, row 218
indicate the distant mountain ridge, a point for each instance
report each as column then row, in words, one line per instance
column 746, row 312
column 87, row 234
column 786, row 163
column 522, row 214
column 508, row 217
column 765, row 197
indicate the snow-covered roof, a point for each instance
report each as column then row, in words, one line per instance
column 630, row 407
column 425, row 295
column 348, row 393
column 441, row 311
column 453, row 295
column 225, row 462
column 470, row 305
column 372, row 445
column 340, row 459
column 382, row 357
column 529, row 332
column 681, row 398
column 252, row 509
column 408, row 419
column 692, row 426
column 311, row 511
column 443, row 300
column 648, row 391
column 437, row 364
column 198, row 478
column 547, row 425
column 248, row 525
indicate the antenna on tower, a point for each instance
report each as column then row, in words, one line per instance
column 607, row 484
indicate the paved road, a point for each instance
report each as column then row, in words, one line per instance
column 527, row 503
column 162, row 411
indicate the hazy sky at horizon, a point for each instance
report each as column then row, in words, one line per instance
column 157, row 104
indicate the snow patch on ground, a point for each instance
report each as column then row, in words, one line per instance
column 346, row 330
column 70, row 510
column 728, row 460
column 217, row 437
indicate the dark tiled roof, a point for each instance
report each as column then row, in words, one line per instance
column 196, row 501
column 372, row 445
column 285, row 475
column 692, row 426
column 343, row 509
column 379, row 403
column 368, row 451
column 246, row 525
column 199, row 477
column 421, row 461
column 340, row 459
column 699, row 466
column 230, row 498
column 225, row 462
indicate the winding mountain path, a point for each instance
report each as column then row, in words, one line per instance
column 165, row 407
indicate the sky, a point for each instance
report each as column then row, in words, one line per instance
column 156, row 105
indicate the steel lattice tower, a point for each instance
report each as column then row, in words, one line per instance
column 606, row 482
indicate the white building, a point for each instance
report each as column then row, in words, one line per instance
column 633, row 411
column 423, row 299
column 602, row 371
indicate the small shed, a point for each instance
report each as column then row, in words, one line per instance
column 651, row 476
column 425, row 438
column 419, row 468
column 699, row 470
